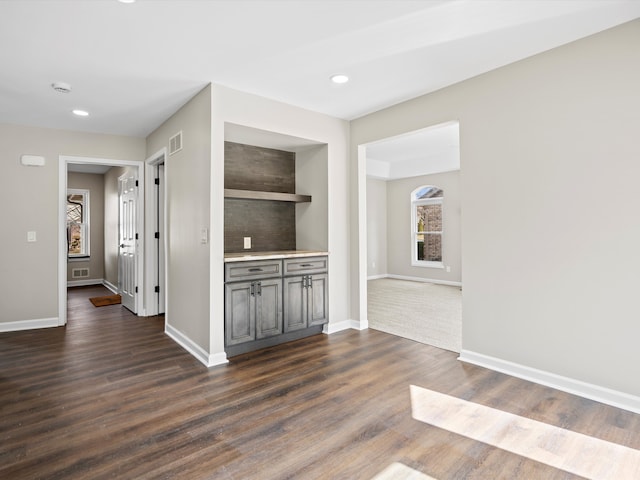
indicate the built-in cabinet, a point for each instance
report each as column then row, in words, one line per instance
column 273, row 301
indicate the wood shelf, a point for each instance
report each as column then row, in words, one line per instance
column 257, row 195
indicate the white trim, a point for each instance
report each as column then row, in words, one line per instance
column 427, row 264
column 29, row 324
column 151, row 265
column 63, row 160
column 84, row 283
column 377, row 277
column 425, row 280
column 577, row 387
column 194, row 349
column 110, row 286
column 330, row 327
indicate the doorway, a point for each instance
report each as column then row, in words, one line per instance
column 89, row 163
column 391, row 171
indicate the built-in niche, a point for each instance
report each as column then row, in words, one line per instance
column 275, row 192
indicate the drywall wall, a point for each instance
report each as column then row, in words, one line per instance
column 231, row 106
column 549, row 168
column 376, row 227
column 95, row 184
column 399, row 242
column 30, row 270
column 312, row 219
column 187, row 174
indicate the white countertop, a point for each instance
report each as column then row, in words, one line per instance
column 248, row 256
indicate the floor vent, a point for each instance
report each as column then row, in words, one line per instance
column 80, row 273
column 175, row 143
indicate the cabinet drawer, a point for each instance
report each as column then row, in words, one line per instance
column 241, row 271
column 305, row 265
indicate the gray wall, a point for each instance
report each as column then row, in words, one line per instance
column 187, row 182
column 29, row 271
column 95, row 184
column 376, row 227
column 399, row 227
column 549, row 169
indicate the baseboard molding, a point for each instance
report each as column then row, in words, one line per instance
column 376, row 277
column 577, row 387
column 29, row 324
column 110, row 286
column 84, row 283
column 330, row 328
column 208, row 360
column 418, row 279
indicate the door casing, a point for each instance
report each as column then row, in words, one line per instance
column 63, row 161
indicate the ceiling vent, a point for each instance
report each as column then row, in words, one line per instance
column 175, row 143
column 61, row 87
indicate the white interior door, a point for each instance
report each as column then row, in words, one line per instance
column 127, row 238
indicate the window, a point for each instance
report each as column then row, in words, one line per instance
column 426, row 235
column 78, row 223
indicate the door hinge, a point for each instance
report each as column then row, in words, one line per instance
column 136, row 289
column 136, row 236
column 157, row 181
column 157, row 289
column 136, row 183
column 157, row 234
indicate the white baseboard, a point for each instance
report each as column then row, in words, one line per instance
column 84, row 283
column 415, row 279
column 330, row 328
column 110, row 286
column 28, row 324
column 424, row 280
column 208, row 360
column 577, row 387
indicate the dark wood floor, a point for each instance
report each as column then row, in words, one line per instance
column 110, row 396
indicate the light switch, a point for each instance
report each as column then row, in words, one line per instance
column 31, row 236
column 247, row 243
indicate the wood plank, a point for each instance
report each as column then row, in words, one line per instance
column 276, row 196
column 111, row 396
column 247, row 167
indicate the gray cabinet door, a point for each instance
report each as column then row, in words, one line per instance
column 239, row 315
column 318, row 300
column 268, row 298
column 295, row 303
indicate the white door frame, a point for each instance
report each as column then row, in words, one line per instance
column 63, row 161
column 151, row 266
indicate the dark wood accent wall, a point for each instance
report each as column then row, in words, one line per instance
column 256, row 168
column 270, row 224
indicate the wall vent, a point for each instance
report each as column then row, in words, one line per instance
column 175, row 143
column 80, row 273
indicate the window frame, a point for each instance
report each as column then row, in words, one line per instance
column 85, row 225
column 415, row 203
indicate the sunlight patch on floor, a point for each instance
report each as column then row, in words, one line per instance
column 399, row 471
column 572, row 452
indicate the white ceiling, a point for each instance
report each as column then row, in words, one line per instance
column 432, row 150
column 132, row 66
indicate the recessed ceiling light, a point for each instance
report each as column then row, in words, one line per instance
column 81, row 113
column 127, row 1
column 339, row 78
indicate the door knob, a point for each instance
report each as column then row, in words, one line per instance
column 122, row 245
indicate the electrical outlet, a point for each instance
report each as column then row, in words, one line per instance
column 31, row 236
column 247, row 243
